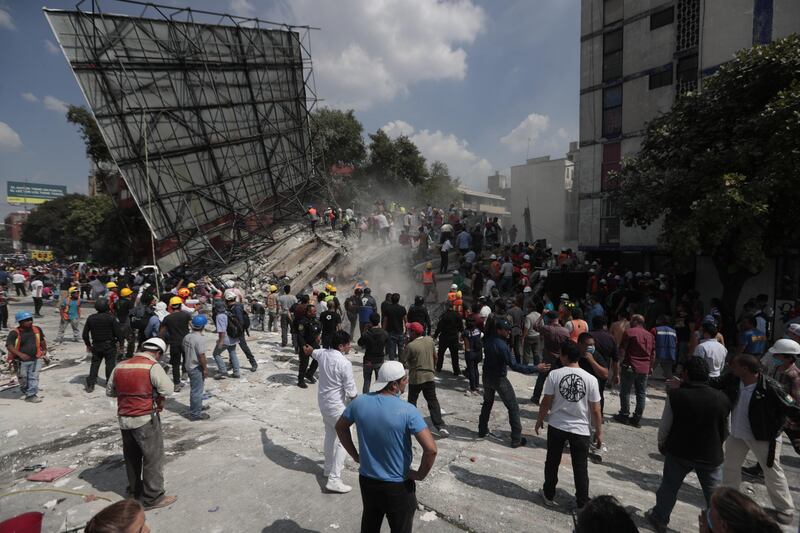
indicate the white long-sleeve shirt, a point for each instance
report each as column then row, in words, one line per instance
column 336, row 383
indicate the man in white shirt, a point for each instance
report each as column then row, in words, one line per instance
column 18, row 279
column 530, row 350
column 712, row 351
column 572, row 399
column 37, row 286
column 336, row 388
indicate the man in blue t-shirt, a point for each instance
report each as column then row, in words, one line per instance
column 752, row 340
column 385, row 423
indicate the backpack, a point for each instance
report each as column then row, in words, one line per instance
column 140, row 316
column 235, row 330
column 245, row 317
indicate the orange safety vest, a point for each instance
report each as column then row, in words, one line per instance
column 458, row 305
column 578, row 326
column 451, row 297
column 38, row 333
column 312, row 212
column 427, row 277
column 65, row 309
column 136, row 395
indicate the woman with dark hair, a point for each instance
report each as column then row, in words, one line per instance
column 604, row 514
column 124, row 516
column 733, row 512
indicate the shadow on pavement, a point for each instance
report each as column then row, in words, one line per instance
column 286, row 458
column 108, row 476
column 286, row 526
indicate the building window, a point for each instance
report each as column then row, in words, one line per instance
column 687, row 74
column 662, row 18
column 612, row 55
column 688, row 30
column 609, row 230
column 612, row 111
column 612, row 159
column 612, row 11
column 661, row 79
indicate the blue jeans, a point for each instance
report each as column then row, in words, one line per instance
column 221, row 362
column 675, row 470
column 629, row 378
column 395, row 346
column 29, row 376
column 196, row 391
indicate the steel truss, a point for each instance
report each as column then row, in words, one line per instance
column 206, row 116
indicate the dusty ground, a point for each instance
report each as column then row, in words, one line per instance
column 257, row 464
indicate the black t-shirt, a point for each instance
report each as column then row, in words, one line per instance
column 394, row 314
column 329, row 320
column 123, row 308
column 28, row 343
column 177, row 325
column 584, row 364
column 605, row 345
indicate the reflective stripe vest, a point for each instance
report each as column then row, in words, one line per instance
column 452, row 297
column 666, row 343
column 427, row 277
column 458, row 306
column 38, row 333
column 578, row 326
column 135, row 393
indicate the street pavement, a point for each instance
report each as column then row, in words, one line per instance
column 256, row 465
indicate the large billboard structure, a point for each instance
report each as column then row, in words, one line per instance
column 206, row 116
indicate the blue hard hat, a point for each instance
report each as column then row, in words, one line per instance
column 23, row 315
column 199, row 322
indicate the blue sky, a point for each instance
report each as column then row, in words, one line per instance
column 468, row 81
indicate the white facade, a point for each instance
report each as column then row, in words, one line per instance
column 636, row 55
column 546, row 187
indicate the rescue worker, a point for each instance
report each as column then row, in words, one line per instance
column 452, row 295
column 70, row 311
column 27, row 351
column 112, row 295
column 101, row 334
column 124, row 309
column 272, row 308
column 174, row 327
column 140, row 385
column 429, row 283
column 313, row 218
column 308, row 331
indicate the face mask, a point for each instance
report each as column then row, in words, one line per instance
column 777, row 361
column 590, row 349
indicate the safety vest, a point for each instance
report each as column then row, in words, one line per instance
column 312, row 213
column 578, row 326
column 427, row 277
column 38, row 333
column 65, row 309
column 136, row 395
column 666, row 343
column 451, row 297
column 458, row 306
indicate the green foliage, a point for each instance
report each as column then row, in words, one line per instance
column 439, row 188
column 96, row 148
column 338, row 138
column 721, row 169
column 395, row 162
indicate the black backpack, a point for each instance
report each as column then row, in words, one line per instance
column 140, row 316
column 235, row 329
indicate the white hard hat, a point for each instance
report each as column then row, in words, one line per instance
column 230, row 295
column 453, row 286
column 564, row 296
column 526, row 257
column 527, row 289
column 230, row 284
column 492, row 256
column 785, row 347
column 158, row 344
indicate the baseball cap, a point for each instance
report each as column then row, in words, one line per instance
column 503, row 324
column 389, row 371
column 416, row 327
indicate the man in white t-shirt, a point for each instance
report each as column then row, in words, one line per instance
column 572, row 399
column 713, row 351
column 336, row 388
column 37, row 286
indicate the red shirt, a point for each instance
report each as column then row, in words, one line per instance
column 640, row 348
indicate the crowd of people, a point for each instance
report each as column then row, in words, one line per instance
column 726, row 397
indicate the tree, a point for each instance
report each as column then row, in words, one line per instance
column 409, row 164
column 439, row 188
column 96, row 148
column 722, row 167
column 338, row 138
column 396, row 162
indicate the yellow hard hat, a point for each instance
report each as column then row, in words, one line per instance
column 72, row 289
column 328, row 287
column 273, row 288
column 429, row 265
column 332, row 290
column 458, row 294
column 111, row 285
column 175, row 300
column 125, row 292
column 191, row 285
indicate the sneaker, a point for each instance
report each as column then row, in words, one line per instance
column 236, row 376
column 753, row 471
column 165, row 501
column 220, row 375
column 467, row 392
column 33, row 399
column 783, row 518
column 202, row 416
column 302, row 384
column 548, row 502
column 444, row 433
column 336, row 485
column 658, row 526
column 622, row 419
column 522, row 442
column 177, row 388
column 634, row 421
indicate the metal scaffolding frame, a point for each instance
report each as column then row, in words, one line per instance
column 207, row 117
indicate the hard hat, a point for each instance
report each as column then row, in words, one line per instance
column 526, row 257
column 785, row 347
column 230, row 284
column 458, row 294
column 111, row 285
column 273, row 288
column 527, row 289
column 183, row 292
column 175, row 300
column 429, row 265
column 230, row 296
column 125, row 292
column 564, row 296
column 332, row 290
column 72, row 289
column 453, row 287
column 328, row 287
column 23, row 315
column 155, row 344
column 492, row 257
column 191, row 285
column 199, row 322
column 523, row 271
